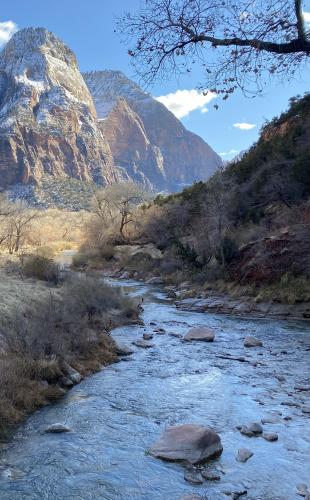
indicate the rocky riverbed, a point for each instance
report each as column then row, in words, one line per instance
column 255, row 398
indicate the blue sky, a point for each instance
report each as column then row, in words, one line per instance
column 87, row 26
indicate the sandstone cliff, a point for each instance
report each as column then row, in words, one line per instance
column 101, row 128
column 168, row 154
column 48, row 122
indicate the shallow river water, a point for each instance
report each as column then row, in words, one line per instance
column 117, row 414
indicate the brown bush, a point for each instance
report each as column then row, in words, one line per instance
column 41, row 268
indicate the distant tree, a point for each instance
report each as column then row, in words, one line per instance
column 239, row 44
column 116, row 204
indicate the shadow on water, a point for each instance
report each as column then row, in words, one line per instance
column 118, row 413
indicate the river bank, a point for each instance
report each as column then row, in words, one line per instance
column 52, row 333
column 116, row 415
column 189, row 296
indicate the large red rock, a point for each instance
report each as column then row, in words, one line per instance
column 200, row 333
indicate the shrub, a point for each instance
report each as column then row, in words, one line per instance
column 41, row 268
column 86, row 296
column 106, row 251
column 46, row 252
column 80, row 260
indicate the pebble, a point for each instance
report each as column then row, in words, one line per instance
column 270, row 436
column 57, row 428
column 147, row 336
column 210, row 476
column 302, row 490
column 191, row 476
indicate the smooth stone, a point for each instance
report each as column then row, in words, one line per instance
column 246, row 432
column 243, row 455
column 251, row 341
column 202, row 334
column 190, row 442
column 256, row 428
column 270, row 436
column 123, row 350
column 57, row 428
column 143, row 343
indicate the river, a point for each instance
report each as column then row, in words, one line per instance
column 118, row 413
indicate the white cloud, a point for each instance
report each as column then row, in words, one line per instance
column 231, row 152
column 182, row 102
column 7, row 29
column 306, row 16
column 244, row 126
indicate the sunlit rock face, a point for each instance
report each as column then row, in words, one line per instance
column 48, row 122
column 145, row 137
column 101, row 128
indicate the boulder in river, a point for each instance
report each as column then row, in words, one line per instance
column 58, row 428
column 190, row 442
column 200, row 333
column 256, row 428
column 244, row 454
column 251, row 341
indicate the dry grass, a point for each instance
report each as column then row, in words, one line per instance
column 41, row 327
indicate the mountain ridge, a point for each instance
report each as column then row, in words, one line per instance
column 55, row 121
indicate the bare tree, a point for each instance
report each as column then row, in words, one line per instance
column 6, row 209
column 216, row 212
column 238, row 43
column 17, row 225
column 117, row 203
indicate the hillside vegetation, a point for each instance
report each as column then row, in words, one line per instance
column 248, row 226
